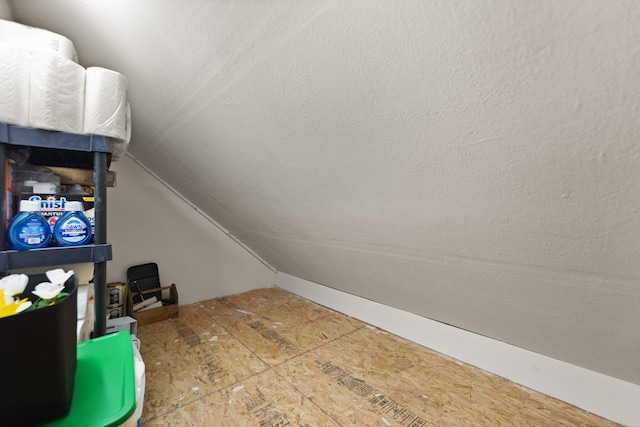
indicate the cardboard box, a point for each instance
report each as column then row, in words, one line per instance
column 39, row 357
column 155, row 314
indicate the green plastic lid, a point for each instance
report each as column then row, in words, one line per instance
column 104, row 392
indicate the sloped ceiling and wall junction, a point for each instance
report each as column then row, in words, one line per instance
column 473, row 162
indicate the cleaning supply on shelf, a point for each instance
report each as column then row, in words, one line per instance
column 76, row 190
column 44, row 187
column 27, row 185
column 35, row 179
column 28, row 229
column 73, row 228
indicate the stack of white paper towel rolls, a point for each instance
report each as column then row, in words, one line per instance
column 106, row 110
column 14, row 34
column 43, row 86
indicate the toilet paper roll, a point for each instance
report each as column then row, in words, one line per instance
column 14, row 86
column 120, row 146
column 30, row 38
column 105, row 106
column 55, row 43
column 56, row 97
column 127, row 138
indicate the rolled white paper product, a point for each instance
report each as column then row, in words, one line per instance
column 154, row 305
column 56, row 43
column 105, row 106
column 56, row 98
column 120, row 146
column 127, row 138
column 14, row 86
column 139, row 306
column 30, row 38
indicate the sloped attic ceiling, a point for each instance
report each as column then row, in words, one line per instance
column 473, row 162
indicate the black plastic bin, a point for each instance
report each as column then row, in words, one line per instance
column 38, row 359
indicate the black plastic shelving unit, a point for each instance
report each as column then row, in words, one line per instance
column 56, row 148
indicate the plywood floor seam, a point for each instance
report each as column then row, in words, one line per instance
column 269, row 358
column 177, row 408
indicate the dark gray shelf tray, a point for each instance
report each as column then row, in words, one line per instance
column 31, row 137
column 12, row 260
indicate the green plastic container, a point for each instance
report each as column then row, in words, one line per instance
column 104, row 393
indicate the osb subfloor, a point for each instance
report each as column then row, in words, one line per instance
column 269, row 358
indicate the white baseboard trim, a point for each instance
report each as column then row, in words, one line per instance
column 608, row 397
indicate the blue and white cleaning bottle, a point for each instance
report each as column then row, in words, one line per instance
column 73, row 228
column 28, row 229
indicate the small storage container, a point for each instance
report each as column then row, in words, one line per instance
column 105, row 393
column 168, row 310
column 38, row 359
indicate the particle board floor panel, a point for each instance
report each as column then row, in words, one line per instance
column 269, row 358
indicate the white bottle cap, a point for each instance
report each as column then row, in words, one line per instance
column 29, row 206
column 73, row 206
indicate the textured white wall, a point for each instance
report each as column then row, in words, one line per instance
column 5, row 11
column 471, row 162
column 146, row 222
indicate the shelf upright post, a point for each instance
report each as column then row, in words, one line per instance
column 3, row 199
column 100, row 237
